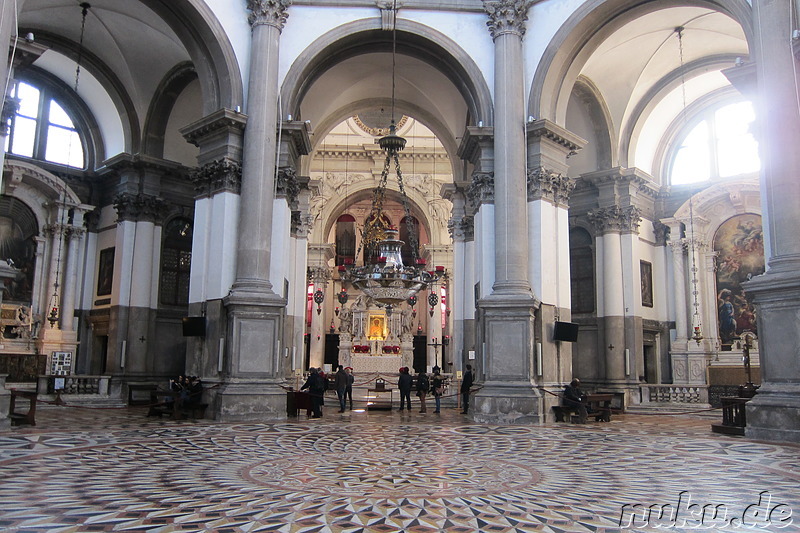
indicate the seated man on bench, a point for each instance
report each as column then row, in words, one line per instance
column 573, row 400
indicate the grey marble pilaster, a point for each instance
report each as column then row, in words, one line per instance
column 774, row 413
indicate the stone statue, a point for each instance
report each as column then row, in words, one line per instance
column 346, row 320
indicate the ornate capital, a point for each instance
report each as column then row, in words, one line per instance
column 301, row 224
column 507, row 16
column 269, row 12
column 136, row 207
column 616, row 219
column 10, row 107
column 288, row 186
column 55, row 229
column 545, row 184
column 481, row 190
column 74, row 232
column 319, row 274
column 661, row 231
column 217, row 176
column 462, row 229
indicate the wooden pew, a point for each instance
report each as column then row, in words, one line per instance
column 28, row 417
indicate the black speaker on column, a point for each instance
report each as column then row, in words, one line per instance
column 565, row 331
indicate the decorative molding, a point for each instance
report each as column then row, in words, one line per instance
column 378, row 132
column 288, row 186
column 548, row 185
column 268, row 12
column 139, row 207
column 616, row 219
column 211, row 126
column 507, row 16
column 481, row 190
column 222, row 175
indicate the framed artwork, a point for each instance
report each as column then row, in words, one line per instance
column 377, row 327
column 646, row 271
column 105, row 273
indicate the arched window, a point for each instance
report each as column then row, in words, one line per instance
column 717, row 144
column 406, row 252
column 581, row 266
column 43, row 129
column 176, row 262
column 345, row 239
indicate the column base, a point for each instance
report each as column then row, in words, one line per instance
column 250, row 401
column 507, row 403
column 774, row 414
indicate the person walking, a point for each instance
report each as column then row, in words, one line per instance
column 348, row 392
column 437, row 387
column 341, row 387
column 404, row 384
column 422, row 390
column 316, row 388
column 466, row 384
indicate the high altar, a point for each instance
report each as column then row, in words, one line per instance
column 374, row 340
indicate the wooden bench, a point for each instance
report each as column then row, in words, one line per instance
column 170, row 403
column 597, row 405
column 28, row 417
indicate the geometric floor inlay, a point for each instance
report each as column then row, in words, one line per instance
column 382, row 472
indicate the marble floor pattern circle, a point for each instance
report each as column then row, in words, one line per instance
column 387, row 474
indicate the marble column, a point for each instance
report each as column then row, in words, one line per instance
column 611, row 222
column 507, row 314
column 252, row 387
column 774, row 413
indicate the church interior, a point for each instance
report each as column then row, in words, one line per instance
column 541, row 190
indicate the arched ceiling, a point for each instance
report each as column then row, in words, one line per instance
column 643, row 60
column 364, row 82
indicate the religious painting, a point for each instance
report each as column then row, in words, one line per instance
column 18, row 231
column 377, row 327
column 739, row 244
column 105, row 273
column 646, row 273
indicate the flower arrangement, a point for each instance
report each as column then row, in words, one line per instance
column 361, row 348
column 391, row 349
column 421, row 261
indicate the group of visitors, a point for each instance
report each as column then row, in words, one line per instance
column 189, row 389
column 316, row 384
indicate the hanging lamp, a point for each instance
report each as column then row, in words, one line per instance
column 388, row 281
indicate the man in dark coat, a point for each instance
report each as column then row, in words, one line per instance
column 341, row 387
column 316, row 388
column 466, row 385
column 574, row 399
column 404, row 384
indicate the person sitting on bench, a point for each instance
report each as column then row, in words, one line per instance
column 574, row 400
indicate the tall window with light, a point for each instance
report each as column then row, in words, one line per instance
column 42, row 128
column 176, row 262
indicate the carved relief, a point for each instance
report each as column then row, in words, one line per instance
column 269, row 12
column 462, row 229
column 217, row 176
column 661, row 232
column 616, row 219
column 507, row 16
column 301, row 224
column 545, row 184
column 319, row 274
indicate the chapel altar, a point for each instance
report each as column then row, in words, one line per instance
column 373, row 340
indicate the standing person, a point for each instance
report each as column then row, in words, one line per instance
column 348, row 392
column 341, row 387
column 316, row 388
column 404, row 384
column 422, row 390
column 437, row 387
column 466, row 384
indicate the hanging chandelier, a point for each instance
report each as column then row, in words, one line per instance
column 387, row 280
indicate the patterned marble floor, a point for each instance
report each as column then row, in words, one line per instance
column 84, row 470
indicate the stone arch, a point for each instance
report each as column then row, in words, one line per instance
column 589, row 25
column 413, row 39
column 158, row 114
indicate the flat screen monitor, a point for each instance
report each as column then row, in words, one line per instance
column 194, row 326
column 565, row 331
